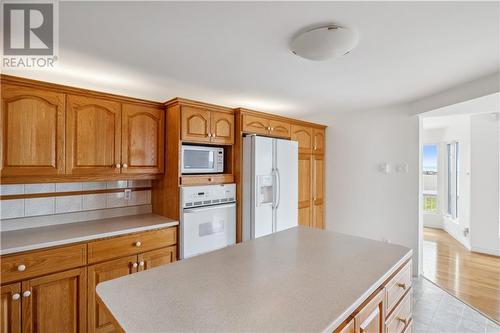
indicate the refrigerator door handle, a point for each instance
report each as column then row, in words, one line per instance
column 278, row 188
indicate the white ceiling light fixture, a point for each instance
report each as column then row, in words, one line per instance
column 330, row 41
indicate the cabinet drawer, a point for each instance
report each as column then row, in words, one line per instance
column 207, row 179
column 399, row 320
column 28, row 265
column 397, row 287
column 130, row 244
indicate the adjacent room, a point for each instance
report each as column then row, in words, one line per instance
column 250, row 166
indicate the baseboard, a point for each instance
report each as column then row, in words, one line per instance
column 492, row 252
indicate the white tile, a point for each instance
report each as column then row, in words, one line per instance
column 139, row 198
column 139, row 183
column 39, row 188
column 117, row 184
column 71, row 203
column 67, row 187
column 10, row 209
column 94, row 201
column 94, row 186
column 12, row 189
column 116, row 200
column 39, row 206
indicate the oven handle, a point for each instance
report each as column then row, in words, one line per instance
column 202, row 209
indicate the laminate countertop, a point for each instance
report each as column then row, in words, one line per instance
column 36, row 238
column 300, row 280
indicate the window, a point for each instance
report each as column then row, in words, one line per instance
column 430, row 178
column 452, row 150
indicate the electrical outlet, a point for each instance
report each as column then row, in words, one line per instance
column 127, row 194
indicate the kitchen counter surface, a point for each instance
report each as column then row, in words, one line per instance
column 48, row 236
column 301, row 280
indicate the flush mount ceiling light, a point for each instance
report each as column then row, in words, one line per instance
column 325, row 42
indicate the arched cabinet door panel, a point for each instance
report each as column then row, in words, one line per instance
column 195, row 124
column 319, row 141
column 304, row 136
column 142, row 139
column 32, row 132
column 93, row 136
column 254, row 124
column 222, row 128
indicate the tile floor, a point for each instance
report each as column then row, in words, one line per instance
column 436, row 311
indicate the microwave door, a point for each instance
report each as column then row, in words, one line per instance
column 197, row 161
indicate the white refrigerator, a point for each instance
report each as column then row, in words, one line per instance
column 270, row 186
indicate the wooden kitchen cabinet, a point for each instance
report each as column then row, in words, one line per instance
column 318, row 191
column 279, row 128
column 10, row 308
column 266, row 126
column 93, row 136
column 305, row 189
column 205, row 126
column 55, row 303
column 32, row 132
column 157, row 258
column 222, row 128
column 304, row 137
column 319, row 141
column 97, row 321
column 370, row 318
column 143, row 137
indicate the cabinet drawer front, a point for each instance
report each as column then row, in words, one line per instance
column 207, row 180
column 398, row 286
column 130, row 244
column 400, row 318
column 28, row 265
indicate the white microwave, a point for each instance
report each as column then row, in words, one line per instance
column 202, row 159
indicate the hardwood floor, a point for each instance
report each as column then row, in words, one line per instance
column 472, row 277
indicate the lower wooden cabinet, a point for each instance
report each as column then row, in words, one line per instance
column 371, row 318
column 311, row 190
column 10, row 308
column 157, row 258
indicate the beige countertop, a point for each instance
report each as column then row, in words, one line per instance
column 61, row 234
column 301, row 280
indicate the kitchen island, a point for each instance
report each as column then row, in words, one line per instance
column 301, row 279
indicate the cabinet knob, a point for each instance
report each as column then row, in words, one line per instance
column 134, row 265
column 208, row 134
column 21, row 268
column 16, row 296
column 27, row 293
column 125, row 166
column 210, row 179
column 402, row 285
column 117, row 165
column 271, row 128
column 315, row 148
column 141, row 263
column 138, row 244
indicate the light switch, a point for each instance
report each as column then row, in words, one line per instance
column 384, row 168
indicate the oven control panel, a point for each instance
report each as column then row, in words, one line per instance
column 196, row 196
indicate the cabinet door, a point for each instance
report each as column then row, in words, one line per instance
column 143, row 139
column 222, row 128
column 32, row 132
column 10, row 308
column 370, row 319
column 305, row 189
column 195, row 124
column 257, row 125
column 93, row 141
column 319, row 141
column 304, row 136
column 157, row 258
column 97, row 321
column 55, row 303
column 279, row 129
column 318, row 191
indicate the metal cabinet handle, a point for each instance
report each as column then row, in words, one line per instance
column 401, row 285
column 16, row 296
column 27, row 293
column 403, row 320
column 134, row 265
column 138, row 244
column 117, row 165
column 21, row 268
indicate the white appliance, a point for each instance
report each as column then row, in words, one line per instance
column 270, row 182
column 208, row 218
column 202, row 159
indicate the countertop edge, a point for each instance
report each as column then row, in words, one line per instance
column 337, row 322
column 40, row 246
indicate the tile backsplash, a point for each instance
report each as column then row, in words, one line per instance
column 25, row 208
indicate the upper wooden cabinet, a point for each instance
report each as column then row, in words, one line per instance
column 265, row 126
column 143, row 137
column 206, row 126
column 32, row 133
column 318, row 192
column 93, row 141
column 319, row 141
column 304, row 136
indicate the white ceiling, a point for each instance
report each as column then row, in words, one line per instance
column 236, row 53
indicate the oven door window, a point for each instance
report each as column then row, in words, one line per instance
column 199, row 159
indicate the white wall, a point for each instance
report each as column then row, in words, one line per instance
column 485, row 199
column 360, row 200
